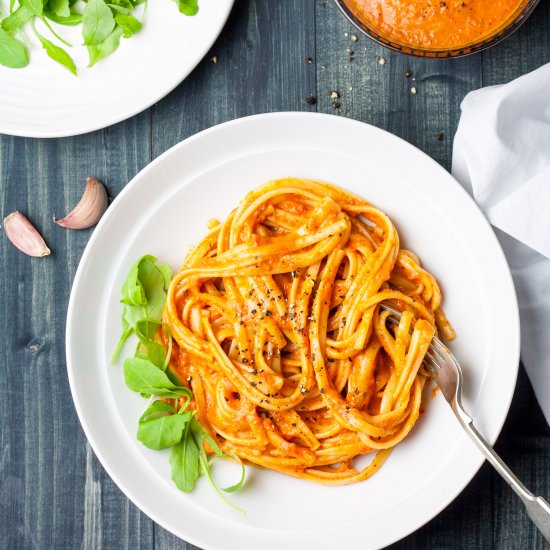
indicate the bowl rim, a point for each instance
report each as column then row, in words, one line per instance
column 442, row 53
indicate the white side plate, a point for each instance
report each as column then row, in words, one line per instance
column 45, row 100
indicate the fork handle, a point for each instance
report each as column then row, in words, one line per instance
column 537, row 508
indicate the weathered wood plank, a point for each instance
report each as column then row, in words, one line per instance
column 373, row 85
column 524, row 444
column 526, row 50
column 260, row 68
column 58, row 495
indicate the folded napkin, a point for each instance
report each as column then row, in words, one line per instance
column 501, row 155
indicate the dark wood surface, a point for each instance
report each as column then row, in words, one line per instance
column 53, row 491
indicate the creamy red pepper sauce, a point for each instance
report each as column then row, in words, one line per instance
column 433, row 23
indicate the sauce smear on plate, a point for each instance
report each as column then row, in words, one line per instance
column 435, row 23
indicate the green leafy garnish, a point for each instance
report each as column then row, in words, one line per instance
column 57, row 53
column 104, row 23
column 17, row 19
column 163, row 425
column 74, row 18
column 60, row 8
column 36, row 7
column 105, row 48
column 199, row 435
column 143, row 296
column 189, row 461
column 97, row 22
column 13, row 53
column 184, row 460
column 128, row 23
column 143, row 376
column 188, row 7
column 149, row 349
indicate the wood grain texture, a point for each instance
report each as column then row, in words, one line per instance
column 373, row 87
column 259, row 68
column 53, row 491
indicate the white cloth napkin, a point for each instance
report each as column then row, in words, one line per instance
column 502, row 157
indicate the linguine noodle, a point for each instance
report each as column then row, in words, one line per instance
column 279, row 333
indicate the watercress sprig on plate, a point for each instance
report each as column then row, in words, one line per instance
column 164, row 425
column 104, row 23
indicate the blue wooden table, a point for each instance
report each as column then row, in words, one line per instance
column 272, row 55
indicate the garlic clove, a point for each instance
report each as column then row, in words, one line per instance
column 22, row 233
column 89, row 209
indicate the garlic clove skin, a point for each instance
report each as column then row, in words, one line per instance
column 89, row 209
column 23, row 235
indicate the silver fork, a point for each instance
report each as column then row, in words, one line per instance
column 446, row 372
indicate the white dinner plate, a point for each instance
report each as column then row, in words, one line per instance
column 45, row 100
column 165, row 209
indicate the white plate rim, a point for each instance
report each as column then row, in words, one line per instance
column 71, row 316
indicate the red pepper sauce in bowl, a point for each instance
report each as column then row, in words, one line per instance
column 435, row 24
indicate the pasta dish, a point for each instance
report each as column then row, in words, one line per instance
column 279, row 333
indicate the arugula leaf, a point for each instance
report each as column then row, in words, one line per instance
column 166, row 271
column 35, row 6
column 13, row 53
column 74, row 18
column 118, row 9
column 17, row 19
column 172, row 375
column 144, row 377
column 50, row 28
column 157, row 409
column 184, row 460
column 130, row 26
column 126, row 4
column 60, row 7
column 239, row 485
column 97, row 23
column 58, row 54
column 161, row 427
column 106, row 48
column 104, row 22
column 133, row 292
column 149, row 349
column 188, row 7
column 144, row 291
column 146, row 285
column 198, row 435
column 214, row 446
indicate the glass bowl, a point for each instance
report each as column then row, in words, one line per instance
column 513, row 22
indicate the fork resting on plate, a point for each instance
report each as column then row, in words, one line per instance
column 447, row 374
